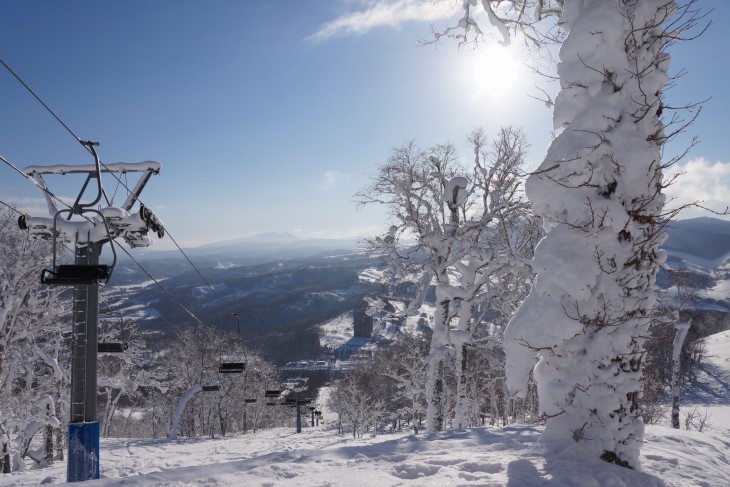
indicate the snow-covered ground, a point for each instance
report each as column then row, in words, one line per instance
column 720, row 291
column 336, row 331
column 512, row 457
column 486, row 456
column 709, row 394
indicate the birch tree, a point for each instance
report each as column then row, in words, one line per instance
column 412, row 183
column 464, row 223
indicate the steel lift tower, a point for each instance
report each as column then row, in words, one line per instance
column 87, row 228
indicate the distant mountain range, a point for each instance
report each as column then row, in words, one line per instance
column 257, row 248
column 284, row 287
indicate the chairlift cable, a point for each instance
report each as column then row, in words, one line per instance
column 158, row 283
column 42, row 103
column 191, row 264
column 45, row 190
column 85, row 144
column 12, row 208
column 89, row 148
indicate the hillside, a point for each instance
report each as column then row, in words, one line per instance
column 280, row 301
column 486, row 456
column 284, row 288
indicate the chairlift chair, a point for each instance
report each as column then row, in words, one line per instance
column 111, row 347
column 231, row 367
column 114, row 347
column 271, row 396
column 228, row 366
column 77, row 274
column 210, row 382
column 81, row 274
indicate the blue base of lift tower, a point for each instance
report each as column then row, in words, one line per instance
column 83, row 452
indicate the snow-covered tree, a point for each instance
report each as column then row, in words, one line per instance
column 195, row 357
column 494, row 275
column 599, row 192
column 425, row 195
column 403, row 364
column 468, row 231
column 358, row 399
column 31, row 329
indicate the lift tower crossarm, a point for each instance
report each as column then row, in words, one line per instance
column 120, row 167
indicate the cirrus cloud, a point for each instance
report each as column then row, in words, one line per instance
column 385, row 13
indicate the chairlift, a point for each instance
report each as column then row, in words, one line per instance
column 272, row 395
column 114, row 347
column 212, row 387
column 210, row 382
column 228, row 366
column 80, row 274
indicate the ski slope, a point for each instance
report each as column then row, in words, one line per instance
column 486, row 456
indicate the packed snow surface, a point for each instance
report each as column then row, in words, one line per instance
column 486, row 456
column 513, row 457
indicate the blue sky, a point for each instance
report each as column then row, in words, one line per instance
column 269, row 116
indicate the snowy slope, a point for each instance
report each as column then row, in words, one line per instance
column 710, row 390
column 486, row 456
column 337, row 331
column 511, row 457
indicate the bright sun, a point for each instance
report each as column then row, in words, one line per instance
column 491, row 72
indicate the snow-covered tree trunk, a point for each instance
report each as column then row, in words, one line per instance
column 440, row 354
column 462, row 338
column 187, row 396
column 599, row 194
column 5, row 453
column 682, row 329
column 461, row 410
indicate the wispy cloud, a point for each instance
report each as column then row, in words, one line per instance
column 385, row 13
column 330, row 179
column 32, row 206
column 704, row 182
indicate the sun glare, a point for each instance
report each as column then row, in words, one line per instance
column 491, row 73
